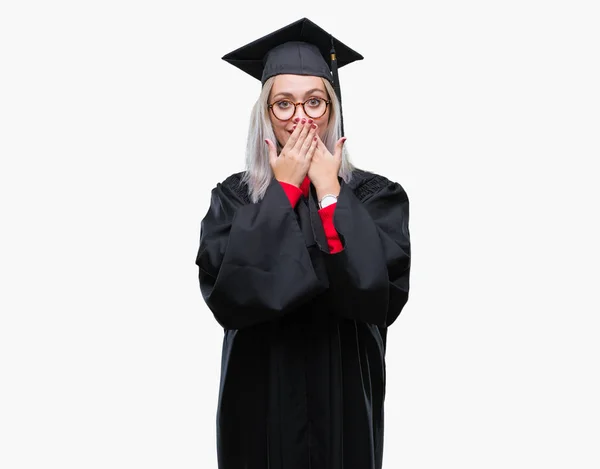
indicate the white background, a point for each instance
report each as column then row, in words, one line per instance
column 118, row 117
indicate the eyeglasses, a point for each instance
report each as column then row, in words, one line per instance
column 313, row 107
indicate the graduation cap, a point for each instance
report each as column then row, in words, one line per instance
column 300, row 48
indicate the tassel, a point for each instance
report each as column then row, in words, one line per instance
column 336, row 82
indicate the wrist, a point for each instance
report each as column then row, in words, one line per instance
column 291, row 183
column 332, row 188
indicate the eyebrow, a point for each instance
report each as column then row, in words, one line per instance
column 285, row 93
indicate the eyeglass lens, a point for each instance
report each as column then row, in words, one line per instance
column 314, row 108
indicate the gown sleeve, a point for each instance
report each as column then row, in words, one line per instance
column 253, row 262
column 333, row 238
column 292, row 192
column 369, row 277
column 326, row 214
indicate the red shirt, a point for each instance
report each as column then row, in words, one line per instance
column 294, row 193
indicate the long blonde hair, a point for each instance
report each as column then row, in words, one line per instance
column 258, row 173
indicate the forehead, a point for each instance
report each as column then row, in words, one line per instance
column 297, row 85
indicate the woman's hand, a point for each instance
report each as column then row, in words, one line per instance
column 324, row 168
column 292, row 164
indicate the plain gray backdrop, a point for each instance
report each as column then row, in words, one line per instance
column 117, row 118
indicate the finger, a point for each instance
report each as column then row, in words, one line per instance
column 309, row 140
column 312, row 148
column 320, row 143
column 323, row 148
column 338, row 148
column 305, row 129
column 272, row 152
column 294, row 137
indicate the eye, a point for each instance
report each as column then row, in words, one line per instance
column 314, row 102
column 283, row 104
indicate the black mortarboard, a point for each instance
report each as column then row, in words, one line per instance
column 300, row 48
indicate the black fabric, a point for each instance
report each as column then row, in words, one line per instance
column 303, row 361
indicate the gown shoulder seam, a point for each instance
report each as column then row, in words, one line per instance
column 238, row 188
column 367, row 184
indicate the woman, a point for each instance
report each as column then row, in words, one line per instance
column 304, row 261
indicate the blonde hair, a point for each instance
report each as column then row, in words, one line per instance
column 258, row 173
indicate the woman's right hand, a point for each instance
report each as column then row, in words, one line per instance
column 293, row 162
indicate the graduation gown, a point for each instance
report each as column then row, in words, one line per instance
column 303, row 368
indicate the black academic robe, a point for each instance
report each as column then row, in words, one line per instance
column 303, row 367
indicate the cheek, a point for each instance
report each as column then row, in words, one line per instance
column 322, row 129
column 281, row 133
column 323, row 124
column 277, row 128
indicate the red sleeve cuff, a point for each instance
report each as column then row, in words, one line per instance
column 333, row 239
column 293, row 192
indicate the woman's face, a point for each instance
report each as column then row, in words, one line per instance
column 297, row 88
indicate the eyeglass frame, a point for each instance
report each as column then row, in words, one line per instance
column 327, row 103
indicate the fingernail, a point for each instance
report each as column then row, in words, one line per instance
column 344, row 139
column 266, row 142
column 314, row 126
column 297, row 119
column 303, row 120
column 315, row 139
column 310, row 121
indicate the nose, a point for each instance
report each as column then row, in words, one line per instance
column 299, row 112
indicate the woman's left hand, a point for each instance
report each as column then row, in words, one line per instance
column 324, row 167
